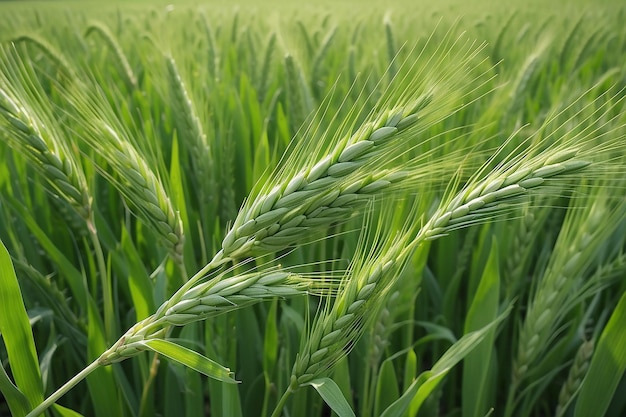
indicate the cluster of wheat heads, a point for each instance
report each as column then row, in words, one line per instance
column 362, row 160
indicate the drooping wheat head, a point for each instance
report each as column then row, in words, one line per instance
column 29, row 127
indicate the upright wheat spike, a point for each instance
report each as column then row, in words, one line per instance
column 192, row 133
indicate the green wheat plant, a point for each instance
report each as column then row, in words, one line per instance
column 413, row 211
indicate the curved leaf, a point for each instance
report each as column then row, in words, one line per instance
column 332, row 395
column 18, row 337
column 192, row 359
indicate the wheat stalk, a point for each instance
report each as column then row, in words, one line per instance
column 192, row 133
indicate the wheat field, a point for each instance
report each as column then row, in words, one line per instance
column 333, row 209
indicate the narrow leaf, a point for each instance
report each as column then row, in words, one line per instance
column 18, row 404
column 65, row 412
column 427, row 381
column 191, row 359
column 386, row 387
column 17, row 334
column 332, row 395
column 477, row 383
column 607, row 366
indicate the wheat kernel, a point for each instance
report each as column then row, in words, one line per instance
column 353, row 188
column 543, row 318
column 509, row 191
column 366, row 291
column 355, row 305
column 355, row 150
column 270, row 199
column 516, row 176
column 295, row 184
column 272, row 229
column 382, row 133
column 342, row 168
column 375, row 186
column 319, row 169
column 323, row 182
column 343, row 321
column 531, row 182
column 570, row 265
column 394, row 119
column 293, row 199
column 343, row 200
column 562, row 156
column 331, row 338
column 319, row 355
column 407, row 121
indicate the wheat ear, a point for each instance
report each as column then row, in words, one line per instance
column 111, row 41
column 578, row 244
column 30, row 129
column 128, row 169
column 577, row 372
column 213, row 297
column 327, row 176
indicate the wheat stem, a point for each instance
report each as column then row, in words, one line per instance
column 37, row 411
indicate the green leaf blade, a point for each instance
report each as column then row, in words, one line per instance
column 607, row 366
column 191, row 359
column 332, row 395
column 477, row 366
column 17, row 334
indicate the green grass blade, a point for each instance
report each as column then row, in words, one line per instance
column 386, row 387
column 101, row 382
column 270, row 345
column 477, row 383
column 427, row 381
column 65, row 412
column 139, row 282
column 341, row 376
column 17, row 334
column 332, row 395
column 607, row 367
column 16, row 400
column 191, row 359
column 231, row 403
column 72, row 275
